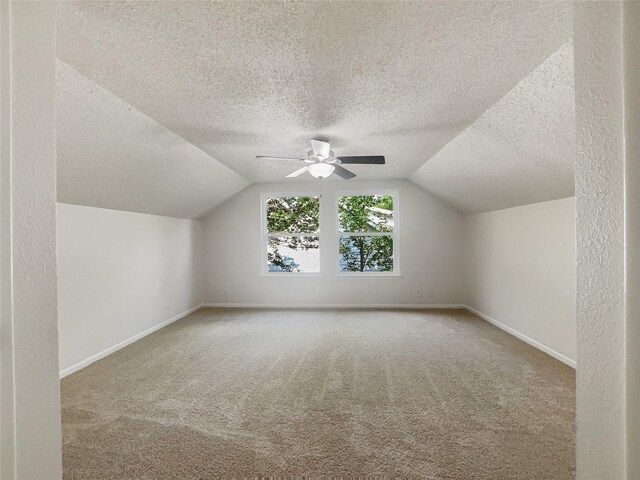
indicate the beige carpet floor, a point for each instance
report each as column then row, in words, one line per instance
column 434, row 394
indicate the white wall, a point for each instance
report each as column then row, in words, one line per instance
column 121, row 274
column 607, row 387
column 30, row 403
column 430, row 252
column 521, row 271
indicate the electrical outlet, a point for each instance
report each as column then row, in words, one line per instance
column 430, row 293
column 225, row 293
column 419, row 292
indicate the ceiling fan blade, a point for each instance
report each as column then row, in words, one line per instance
column 320, row 148
column 269, row 157
column 297, row 173
column 343, row 172
column 363, row 160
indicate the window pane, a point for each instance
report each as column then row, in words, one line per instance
column 365, row 213
column 293, row 215
column 293, row 254
column 366, row 254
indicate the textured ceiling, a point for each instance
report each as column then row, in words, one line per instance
column 238, row 79
column 520, row 151
column 112, row 156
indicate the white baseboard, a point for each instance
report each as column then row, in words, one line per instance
column 413, row 306
column 128, row 341
column 534, row 343
column 502, row 326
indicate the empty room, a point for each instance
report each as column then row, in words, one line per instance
column 319, row 240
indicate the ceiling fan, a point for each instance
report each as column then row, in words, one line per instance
column 322, row 162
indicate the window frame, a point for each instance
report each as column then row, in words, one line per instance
column 395, row 234
column 264, row 234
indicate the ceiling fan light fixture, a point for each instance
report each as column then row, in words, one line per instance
column 321, row 170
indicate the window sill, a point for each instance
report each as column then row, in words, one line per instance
column 368, row 274
column 337, row 274
column 290, row 274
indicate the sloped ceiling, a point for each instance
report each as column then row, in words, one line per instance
column 238, row 79
column 520, row 151
column 112, row 156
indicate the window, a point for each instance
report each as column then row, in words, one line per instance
column 366, row 233
column 292, row 235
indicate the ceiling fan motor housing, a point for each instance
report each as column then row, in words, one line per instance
column 321, row 161
column 313, row 158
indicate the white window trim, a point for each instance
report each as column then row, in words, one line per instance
column 396, row 238
column 264, row 235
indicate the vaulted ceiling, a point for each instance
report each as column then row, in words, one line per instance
column 229, row 81
column 520, row 151
column 113, row 156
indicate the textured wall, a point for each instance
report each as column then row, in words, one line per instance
column 600, row 446
column 632, row 173
column 430, row 252
column 31, row 432
column 521, row 271
column 120, row 274
column 6, row 319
